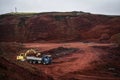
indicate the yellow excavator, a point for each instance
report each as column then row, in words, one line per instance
column 33, row 56
column 23, row 56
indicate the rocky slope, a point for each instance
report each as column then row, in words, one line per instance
column 58, row 27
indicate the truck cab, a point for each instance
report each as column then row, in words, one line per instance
column 46, row 59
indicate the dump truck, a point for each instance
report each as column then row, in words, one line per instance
column 34, row 57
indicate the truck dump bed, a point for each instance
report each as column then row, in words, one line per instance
column 33, row 58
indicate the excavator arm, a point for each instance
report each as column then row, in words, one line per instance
column 31, row 51
column 23, row 56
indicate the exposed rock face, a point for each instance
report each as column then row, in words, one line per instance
column 57, row 27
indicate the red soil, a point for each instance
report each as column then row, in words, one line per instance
column 92, row 61
column 80, row 61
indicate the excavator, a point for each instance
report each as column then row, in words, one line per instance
column 33, row 56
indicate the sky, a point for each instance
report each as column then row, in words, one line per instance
column 109, row 7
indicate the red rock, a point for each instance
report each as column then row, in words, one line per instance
column 57, row 27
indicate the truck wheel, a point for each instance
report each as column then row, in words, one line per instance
column 33, row 62
column 39, row 62
column 30, row 61
column 44, row 63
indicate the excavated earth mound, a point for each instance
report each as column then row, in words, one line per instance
column 60, row 52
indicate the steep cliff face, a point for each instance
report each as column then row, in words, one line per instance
column 58, row 27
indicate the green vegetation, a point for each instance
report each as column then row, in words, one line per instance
column 59, row 18
column 22, row 13
column 18, row 14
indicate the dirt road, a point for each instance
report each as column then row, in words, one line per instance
column 64, row 67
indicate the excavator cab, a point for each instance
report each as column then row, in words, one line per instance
column 21, row 57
